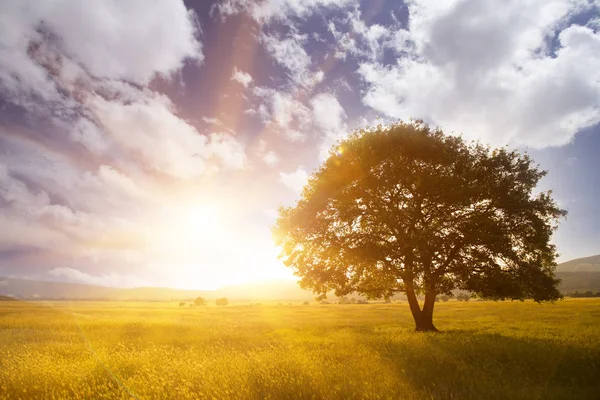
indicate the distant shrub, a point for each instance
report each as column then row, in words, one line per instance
column 444, row 298
column 181, row 303
column 289, row 304
column 306, row 303
column 200, row 301
column 588, row 293
column 222, row 301
column 324, row 302
column 279, row 304
column 463, row 297
column 362, row 302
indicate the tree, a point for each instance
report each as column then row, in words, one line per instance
column 406, row 208
column 200, row 301
column 463, row 297
column 222, row 301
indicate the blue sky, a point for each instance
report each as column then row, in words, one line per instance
column 152, row 145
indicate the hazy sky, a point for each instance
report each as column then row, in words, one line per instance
column 150, row 143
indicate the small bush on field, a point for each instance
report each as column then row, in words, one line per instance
column 306, row 303
column 222, row 301
column 200, row 301
column 463, row 297
column 444, row 298
column 181, row 303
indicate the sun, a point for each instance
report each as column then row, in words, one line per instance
column 210, row 244
column 201, row 221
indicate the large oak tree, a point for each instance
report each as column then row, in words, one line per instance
column 406, row 208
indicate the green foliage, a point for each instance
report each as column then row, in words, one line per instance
column 131, row 350
column 408, row 209
column 222, row 301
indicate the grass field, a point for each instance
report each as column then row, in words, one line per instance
column 504, row 350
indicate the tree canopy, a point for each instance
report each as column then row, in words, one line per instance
column 200, row 301
column 406, row 208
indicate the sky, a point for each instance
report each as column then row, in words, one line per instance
column 152, row 145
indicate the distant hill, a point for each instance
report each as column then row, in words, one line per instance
column 579, row 281
column 30, row 289
column 585, row 264
column 6, row 298
column 580, row 274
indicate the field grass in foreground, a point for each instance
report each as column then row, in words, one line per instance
column 504, row 350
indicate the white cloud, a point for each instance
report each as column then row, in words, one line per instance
column 167, row 143
column 281, row 10
column 487, row 70
column 329, row 116
column 289, row 52
column 87, row 183
column 242, row 77
column 110, row 39
column 294, row 180
column 328, row 113
column 214, row 121
column 268, row 157
column 358, row 39
column 288, row 114
column 229, row 151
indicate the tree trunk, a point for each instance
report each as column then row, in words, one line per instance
column 423, row 318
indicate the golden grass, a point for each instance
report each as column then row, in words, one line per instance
column 488, row 350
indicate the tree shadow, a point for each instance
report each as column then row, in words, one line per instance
column 464, row 364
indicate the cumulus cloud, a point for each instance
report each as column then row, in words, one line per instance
column 284, row 111
column 84, row 180
column 290, row 53
column 491, row 70
column 355, row 38
column 109, row 39
column 329, row 117
column 229, row 151
column 294, row 180
column 242, row 77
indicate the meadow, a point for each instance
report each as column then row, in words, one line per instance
column 114, row 350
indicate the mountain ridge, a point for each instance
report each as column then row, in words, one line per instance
column 580, row 274
column 582, row 264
